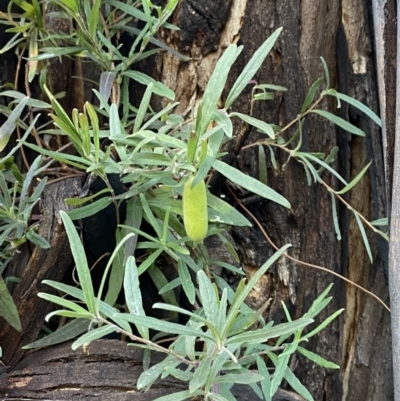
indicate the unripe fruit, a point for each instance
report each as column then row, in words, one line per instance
column 195, row 215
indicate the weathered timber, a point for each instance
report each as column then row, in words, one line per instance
column 43, row 264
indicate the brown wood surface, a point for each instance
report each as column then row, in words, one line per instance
column 43, row 264
column 340, row 31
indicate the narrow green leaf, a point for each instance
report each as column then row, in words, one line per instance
column 133, row 295
column 8, row 309
column 39, row 104
column 144, row 105
column 158, row 88
column 93, row 335
column 266, row 380
column 244, row 378
column 94, row 18
column 262, row 165
column 62, row 302
column 164, row 326
column 339, row 122
column 223, row 212
column 200, row 375
column 280, row 369
column 215, row 86
column 310, row 95
column 318, row 359
column 262, row 335
column 250, row 183
column 255, row 122
column 222, row 118
column 296, row 385
column 251, row 68
column 355, row 180
column 77, row 293
column 243, row 291
column 36, row 239
column 82, row 267
column 364, row 235
column 186, row 281
column 326, row 72
column 68, row 332
column 80, row 201
column 9, row 125
column 358, row 105
column 335, row 218
column 180, row 396
column 380, row 222
column 90, row 209
column 325, row 323
column 208, row 297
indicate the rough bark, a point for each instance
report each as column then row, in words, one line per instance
column 341, row 32
column 107, row 370
column 42, row 264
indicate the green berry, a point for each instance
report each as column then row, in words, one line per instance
column 195, row 215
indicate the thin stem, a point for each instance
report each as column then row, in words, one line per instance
column 305, row 263
column 149, row 343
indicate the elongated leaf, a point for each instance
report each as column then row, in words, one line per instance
column 355, row 180
column 249, row 183
column 340, row 122
column 293, row 381
column 215, row 87
column 180, row 396
column 8, row 309
column 262, row 335
column 39, row 104
column 243, row 291
column 266, row 380
column 36, row 239
column 262, row 165
column 208, row 297
column 158, row 88
column 164, row 326
column 335, row 218
column 311, row 94
column 255, row 122
column 195, row 316
column 317, row 359
column 65, row 333
column 94, row 18
column 186, row 281
column 133, row 295
column 144, row 105
column 9, row 126
column 82, row 267
column 152, row 374
column 221, row 117
column 364, row 235
column 354, row 102
column 243, row 378
column 65, row 303
column 280, row 369
column 77, row 293
column 323, row 324
column 90, row 209
column 200, row 375
column 93, row 335
column 296, row 385
column 251, row 68
column 107, row 79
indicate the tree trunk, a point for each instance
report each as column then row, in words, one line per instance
column 341, row 32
